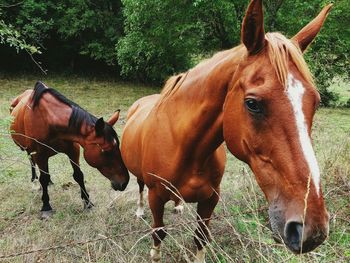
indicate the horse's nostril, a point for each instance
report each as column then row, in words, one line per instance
column 294, row 235
column 119, row 186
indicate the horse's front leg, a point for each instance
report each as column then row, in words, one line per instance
column 140, row 203
column 157, row 207
column 204, row 210
column 73, row 154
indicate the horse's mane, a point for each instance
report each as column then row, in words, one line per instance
column 280, row 51
column 171, row 85
column 78, row 116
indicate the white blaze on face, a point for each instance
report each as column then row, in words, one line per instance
column 295, row 92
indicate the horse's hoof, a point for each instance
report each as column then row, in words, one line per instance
column 155, row 254
column 46, row 214
column 88, row 205
column 179, row 209
column 200, row 256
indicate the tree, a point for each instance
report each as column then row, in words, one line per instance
column 11, row 37
column 160, row 39
column 68, row 29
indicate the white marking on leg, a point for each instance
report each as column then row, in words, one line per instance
column 200, row 256
column 140, row 207
column 179, row 209
column 36, row 185
column 295, row 92
column 155, row 254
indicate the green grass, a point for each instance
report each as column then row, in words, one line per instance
column 240, row 231
column 342, row 89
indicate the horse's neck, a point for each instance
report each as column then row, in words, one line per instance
column 196, row 107
column 57, row 116
column 55, row 112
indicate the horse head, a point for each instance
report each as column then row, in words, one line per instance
column 101, row 150
column 268, row 114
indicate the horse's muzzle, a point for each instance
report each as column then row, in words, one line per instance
column 119, row 186
column 299, row 238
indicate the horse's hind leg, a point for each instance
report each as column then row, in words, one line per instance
column 32, row 164
column 34, row 180
column 140, row 203
column 34, row 175
column 204, row 210
column 78, row 175
column 44, row 179
column 157, row 207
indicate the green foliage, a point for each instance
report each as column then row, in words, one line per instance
column 221, row 21
column 34, row 20
column 72, row 26
column 10, row 36
column 95, row 26
column 328, row 56
column 160, row 38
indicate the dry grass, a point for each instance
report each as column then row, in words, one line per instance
column 240, row 228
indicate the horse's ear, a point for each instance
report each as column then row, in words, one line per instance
column 99, row 126
column 309, row 32
column 114, row 118
column 253, row 33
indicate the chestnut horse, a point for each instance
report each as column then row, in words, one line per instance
column 45, row 123
column 260, row 99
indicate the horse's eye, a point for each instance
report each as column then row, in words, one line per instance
column 253, row 105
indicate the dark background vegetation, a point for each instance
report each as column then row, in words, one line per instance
column 151, row 39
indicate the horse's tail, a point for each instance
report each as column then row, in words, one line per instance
column 132, row 109
column 19, row 98
column 14, row 103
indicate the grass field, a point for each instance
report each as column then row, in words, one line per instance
column 111, row 233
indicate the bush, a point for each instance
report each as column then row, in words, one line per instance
column 160, row 38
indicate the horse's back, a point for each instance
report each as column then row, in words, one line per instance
column 132, row 133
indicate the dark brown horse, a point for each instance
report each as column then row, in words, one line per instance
column 45, row 123
column 260, row 99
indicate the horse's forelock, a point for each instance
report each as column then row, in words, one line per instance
column 280, row 50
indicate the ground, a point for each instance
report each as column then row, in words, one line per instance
column 111, row 233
